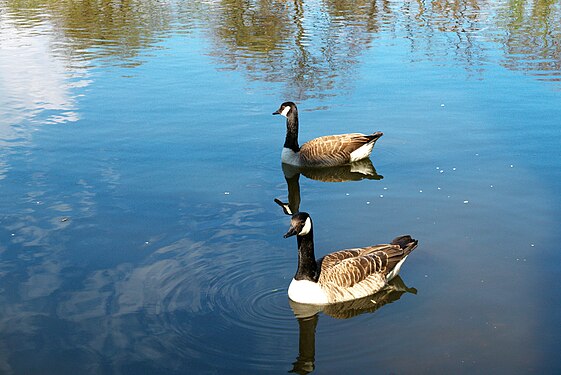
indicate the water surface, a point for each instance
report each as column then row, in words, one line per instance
column 139, row 161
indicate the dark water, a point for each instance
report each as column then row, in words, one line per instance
column 139, row 161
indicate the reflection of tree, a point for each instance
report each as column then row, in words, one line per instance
column 97, row 28
column 461, row 29
column 309, row 47
column 533, row 38
column 442, row 30
column 313, row 48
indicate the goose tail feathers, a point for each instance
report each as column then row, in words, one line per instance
column 374, row 136
column 406, row 243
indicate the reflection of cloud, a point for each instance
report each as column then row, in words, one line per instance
column 33, row 82
column 32, row 78
column 153, row 287
column 128, row 311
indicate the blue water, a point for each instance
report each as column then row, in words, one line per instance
column 139, row 162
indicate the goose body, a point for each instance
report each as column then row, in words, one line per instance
column 346, row 274
column 326, row 151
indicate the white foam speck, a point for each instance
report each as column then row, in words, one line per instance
column 466, row 202
column 226, row 193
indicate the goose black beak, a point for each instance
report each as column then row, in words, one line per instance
column 291, row 232
column 276, row 113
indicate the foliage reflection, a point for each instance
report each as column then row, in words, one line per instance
column 312, row 47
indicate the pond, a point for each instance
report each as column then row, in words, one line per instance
column 139, row 162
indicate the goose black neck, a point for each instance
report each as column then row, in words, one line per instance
column 307, row 265
column 291, row 140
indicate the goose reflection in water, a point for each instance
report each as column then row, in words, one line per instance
column 308, row 316
column 357, row 171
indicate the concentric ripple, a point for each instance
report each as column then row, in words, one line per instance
column 228, row 306
column 252, row 296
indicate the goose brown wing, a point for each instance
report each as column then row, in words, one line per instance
column 331, row 260
column 331, row 149
column 346, row 268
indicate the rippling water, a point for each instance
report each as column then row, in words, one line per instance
column 139, row 161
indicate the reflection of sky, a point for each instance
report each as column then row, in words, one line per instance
column 33, row 78
column 34, row 83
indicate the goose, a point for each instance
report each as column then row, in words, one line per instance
column 327, row 151
column 346, row 274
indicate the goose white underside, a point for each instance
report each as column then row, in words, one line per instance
column 290, row 157
column 396, row 269
column 305, row 291
column 362, row 152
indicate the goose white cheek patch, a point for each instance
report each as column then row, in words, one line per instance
column 285, row 111
column 307, row 227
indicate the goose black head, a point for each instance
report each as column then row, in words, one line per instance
column 286, row 108
column 300, row 225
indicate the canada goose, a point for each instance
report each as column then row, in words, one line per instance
column 327, row 151
column 346, row 274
